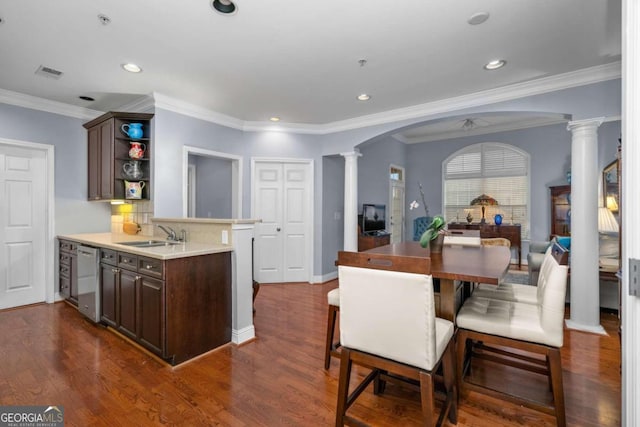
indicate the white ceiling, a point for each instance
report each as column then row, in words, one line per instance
column 296, row 59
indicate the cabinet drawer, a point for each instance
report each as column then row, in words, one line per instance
column 67, row 246
column 65, row 286
column 65, row 271
column 151, row 266
column 108, row 256
column 65, row 259
column 128, row 261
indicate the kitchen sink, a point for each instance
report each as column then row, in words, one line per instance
column 148, row 243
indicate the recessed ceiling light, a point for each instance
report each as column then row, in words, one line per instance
column 226, row 7
column 104, row 19
column 132, row 68
column 478, row 18
column 274, row 119
column 86, row 98
column 495, row 64
column 364, row 97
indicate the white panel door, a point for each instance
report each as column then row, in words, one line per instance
column 269, row 236
column 22, row 226
column 397, row 211
column 296, row 221
column 282, row 202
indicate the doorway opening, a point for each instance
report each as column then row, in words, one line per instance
column 212, row 184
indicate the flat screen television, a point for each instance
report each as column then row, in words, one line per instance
column 374, row 218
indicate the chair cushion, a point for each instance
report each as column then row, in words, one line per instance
column 444, row 333
column 333, row 297
column 508, row 292
column 506, row 319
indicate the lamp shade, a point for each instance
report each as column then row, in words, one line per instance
column 484, row 200
column 612, row 205
column 606, row 221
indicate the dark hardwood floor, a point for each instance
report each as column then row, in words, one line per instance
column 52, row 356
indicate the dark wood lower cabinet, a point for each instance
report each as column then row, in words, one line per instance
column 68, row 270
column 127, row 303
column 108, row 284
column 150, row 310
column 177, row 308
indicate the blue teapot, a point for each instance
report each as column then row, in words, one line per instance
column 133, row 130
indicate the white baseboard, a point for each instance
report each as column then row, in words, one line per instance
column 243, row 335
column 325, row 277
column 595, row 329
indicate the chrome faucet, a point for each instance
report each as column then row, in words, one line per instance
column 171, row 233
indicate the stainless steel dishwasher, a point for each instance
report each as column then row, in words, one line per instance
column 88, row 282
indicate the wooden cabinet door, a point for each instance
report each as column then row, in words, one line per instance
column 101, row 161
column 94, row 163
column 127, row 301
column 151, row 314
column 108, row 284
column 106, row 160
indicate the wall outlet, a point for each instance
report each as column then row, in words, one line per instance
column 225, row 237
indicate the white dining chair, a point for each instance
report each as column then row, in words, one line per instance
column 331, row 346
column 388, row 324
column 513, row 333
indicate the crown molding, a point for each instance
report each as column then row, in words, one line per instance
column 41, row 104
column 144, row 104
column 182, row 107
column 505, row 93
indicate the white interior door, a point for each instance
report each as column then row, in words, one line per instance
column 22, row 226
column 282, row 201
column 396, row 198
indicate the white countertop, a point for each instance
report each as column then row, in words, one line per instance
column 181, row 250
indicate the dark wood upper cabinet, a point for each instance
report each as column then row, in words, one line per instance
column 108, row 152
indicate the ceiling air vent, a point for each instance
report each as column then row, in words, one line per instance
column 49, row 72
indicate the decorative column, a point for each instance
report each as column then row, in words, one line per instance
column 585, row 179
column 351, row 200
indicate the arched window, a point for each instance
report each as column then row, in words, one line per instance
column 498, row 170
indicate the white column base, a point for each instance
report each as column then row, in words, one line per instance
column 243, row 335
column 595, row 329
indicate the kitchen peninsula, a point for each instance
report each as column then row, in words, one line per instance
column 177, row 300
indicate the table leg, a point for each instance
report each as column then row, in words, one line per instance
column 447, row 299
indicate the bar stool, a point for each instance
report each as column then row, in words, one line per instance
column 331, row 347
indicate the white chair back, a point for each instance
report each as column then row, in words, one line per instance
column 553, row 282
column 388, row 313
column 463, row 238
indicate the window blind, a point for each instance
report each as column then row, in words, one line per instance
column 498, row 170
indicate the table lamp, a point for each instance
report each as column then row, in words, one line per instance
column 484, row 200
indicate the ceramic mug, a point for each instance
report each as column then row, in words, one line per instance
column 133, row 190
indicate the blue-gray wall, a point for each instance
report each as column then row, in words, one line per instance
column 373, row 171
column 549, row 147
column 213, row 186
column 332, row 210
column 73, row 213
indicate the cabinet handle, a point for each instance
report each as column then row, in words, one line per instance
column 149, row 267
column 138, row 277
column 115, row 270
column 125, row 261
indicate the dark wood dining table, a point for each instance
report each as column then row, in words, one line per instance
column 455, row 265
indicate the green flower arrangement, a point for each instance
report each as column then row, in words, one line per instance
column 436, row 227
